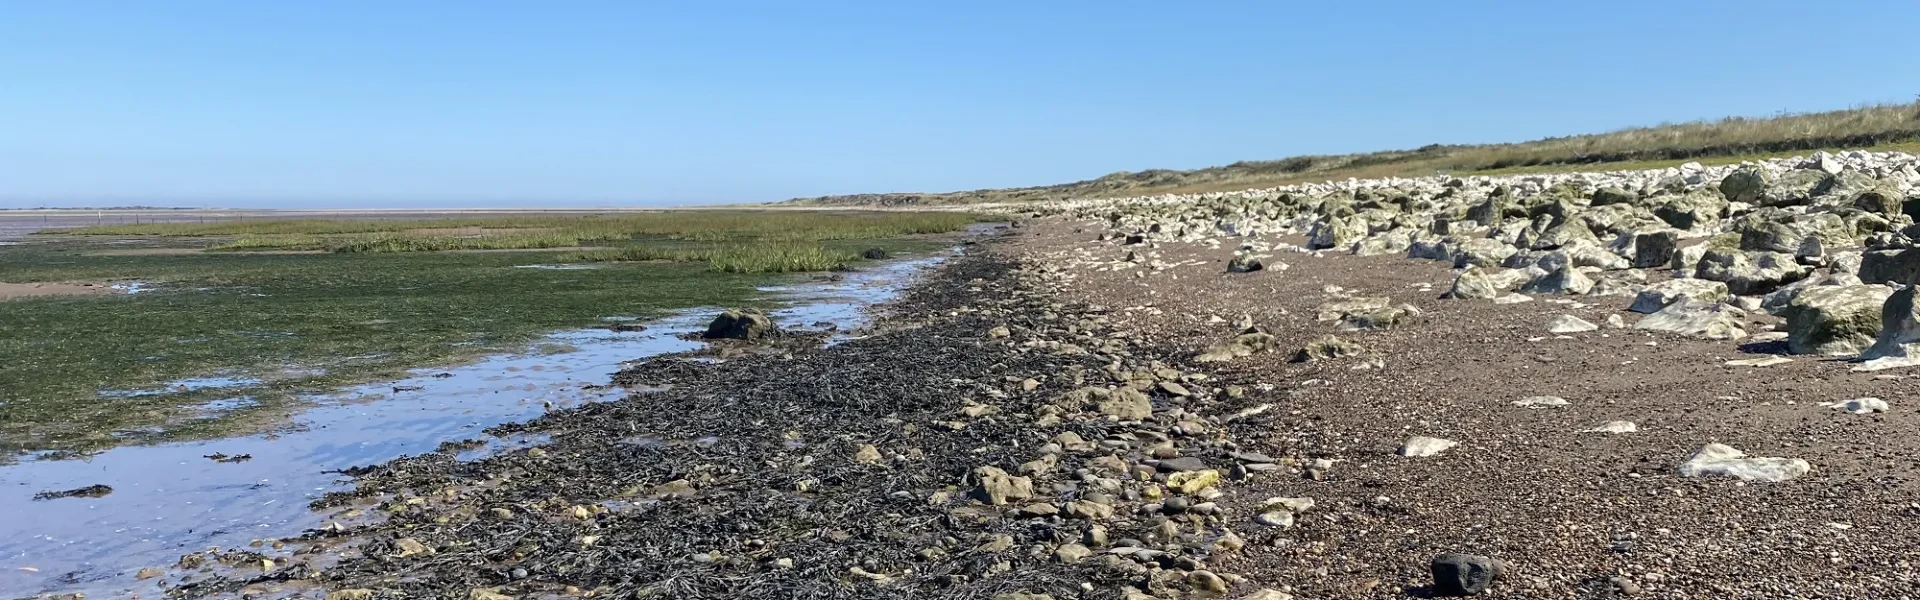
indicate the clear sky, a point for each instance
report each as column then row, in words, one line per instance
column 475, row 103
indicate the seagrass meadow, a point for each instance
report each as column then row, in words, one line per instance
column 278, row 309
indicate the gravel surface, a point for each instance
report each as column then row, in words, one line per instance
column 1574, row 512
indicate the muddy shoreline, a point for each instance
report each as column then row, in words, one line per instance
column 871, row 468
column 174, row 498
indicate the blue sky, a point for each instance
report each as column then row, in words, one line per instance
column 476, row 103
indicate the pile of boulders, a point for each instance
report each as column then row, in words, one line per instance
column 1821, row 241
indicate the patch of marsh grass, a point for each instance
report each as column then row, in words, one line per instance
column 442, row 243
column 729, row 258
column 308, row 323
column 333, row 318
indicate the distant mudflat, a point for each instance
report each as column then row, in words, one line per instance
column 11, row 291
column 18, row 224
column 186, row 251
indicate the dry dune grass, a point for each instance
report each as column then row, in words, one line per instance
column 1867, row 126
column 1884, row 126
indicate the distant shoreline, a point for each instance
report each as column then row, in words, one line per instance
column 352, row 212
column 347, row 211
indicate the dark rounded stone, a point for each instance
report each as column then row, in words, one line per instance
column 1183, row 463
column 1463, row 574
column 1175, row 505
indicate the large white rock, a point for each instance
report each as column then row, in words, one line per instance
column 1688, row 258
column 1481, row 252
column 1659, row 295
column 1721, row 460
column 1861, row 406
column 1292, row 505
column 1697, row 319
column 1750, row 273
column 1511, row 278
column 1838, row 319
column 1564, row 280
column 1569, row 324
column 1541, row 402
column 1474, row 283
column 1763, row 361
column 1421, row 445
column 1776, row 302
column 1615, row 427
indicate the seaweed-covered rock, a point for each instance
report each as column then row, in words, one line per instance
column 1335, row 310
column 1245, row 264
column 1327, row 347
column 1883, row 200
column 1567, row 232
column 1245, row 344
column 749, row 325
column 1834, row 319
column 1613, row 195
column 1795, row 188
column 1775, row 303
column 1654, row 249
column 1843, row 188
column 1690, row 211
column 1490, row 211
column 1378, row 318
column 1762, row 235
column 1126, row 404
column 1335, row 232
column 1391, row 242
column 1747, row 184
column 1899, row 265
